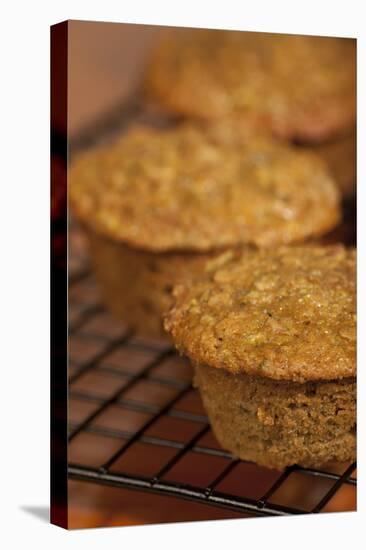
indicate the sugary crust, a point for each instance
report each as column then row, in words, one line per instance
column 287, row 314
column 299, row 87
column 190, row 188
column 278, row 423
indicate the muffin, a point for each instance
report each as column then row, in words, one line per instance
column 158, row 204
column 297, row 87
column 272, row 335
column 136, row 284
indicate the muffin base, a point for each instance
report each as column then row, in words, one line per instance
column 136, row 284
column 279, row 423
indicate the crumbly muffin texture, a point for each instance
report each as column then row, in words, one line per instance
column 189, row 188
column 299, row 87
column 280, row 423
column 288, row 313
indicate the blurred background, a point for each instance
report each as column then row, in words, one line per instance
column 106, row 61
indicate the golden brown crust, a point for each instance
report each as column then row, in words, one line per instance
column 195, row 189
column 286, row 314
column 297, row 86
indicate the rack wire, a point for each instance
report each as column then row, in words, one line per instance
column 135, row 421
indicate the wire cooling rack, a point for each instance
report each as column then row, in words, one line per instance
column 135, row 421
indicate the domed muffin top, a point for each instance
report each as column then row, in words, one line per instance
column 297, row 86
column 190, row 188
column 286, row 314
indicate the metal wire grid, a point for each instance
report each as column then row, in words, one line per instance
column 84, row 308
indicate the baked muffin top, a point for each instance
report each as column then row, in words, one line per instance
column 286, row 314
column 300, row 87
column 186, row 188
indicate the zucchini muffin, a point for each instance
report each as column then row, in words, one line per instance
column 298, row 87
column 158, row 204
column 272, row 336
